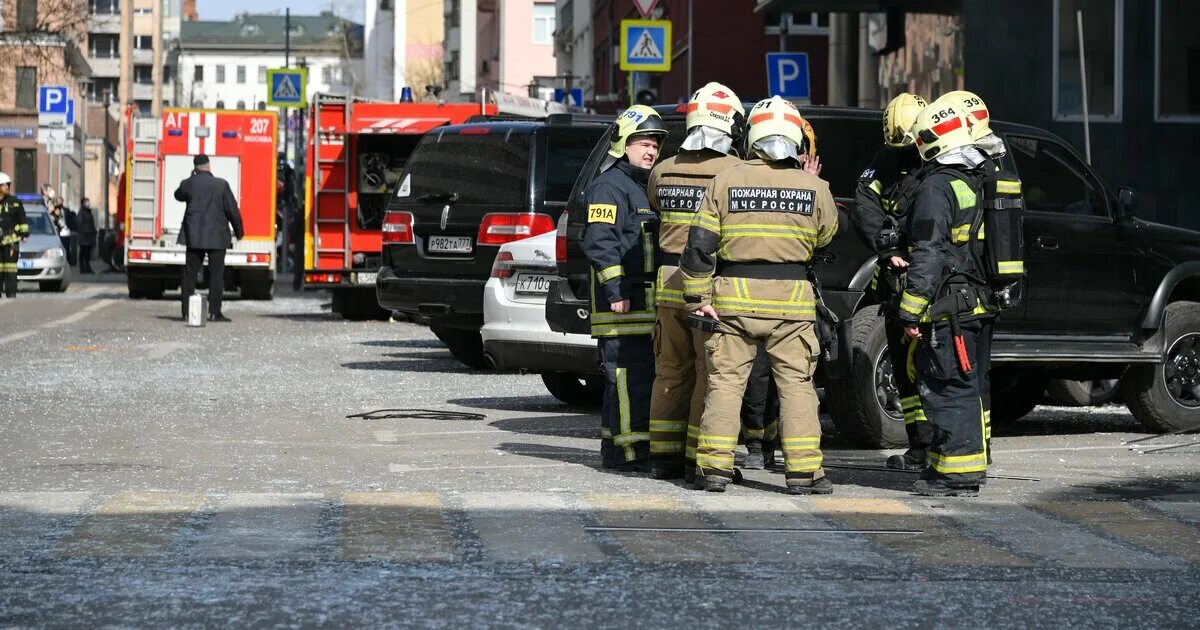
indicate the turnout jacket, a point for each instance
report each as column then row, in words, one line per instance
column 885, row 189
column 758, row 219
column 622, row 229
column 677, row 186
column 14, row 225
column 938, row 230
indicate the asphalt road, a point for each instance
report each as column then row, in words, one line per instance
column 155, row 474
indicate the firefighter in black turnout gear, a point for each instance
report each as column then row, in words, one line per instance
column 881, row 201
column 622, row 230
column 14, row 228
column 949, row 298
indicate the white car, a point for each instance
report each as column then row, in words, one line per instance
column 42, row 259
column 516, row 335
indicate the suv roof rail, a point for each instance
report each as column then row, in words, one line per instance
column 570, row 118
column 483, row 118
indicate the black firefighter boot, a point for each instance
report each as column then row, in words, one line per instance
column 912, row 459
column 754, row 456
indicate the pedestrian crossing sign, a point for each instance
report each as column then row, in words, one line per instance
column 286, row 87
column 646, row 45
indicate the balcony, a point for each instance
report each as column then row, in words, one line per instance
column 143, row 91
column 106, row 23
column 107, row 67
column 143, row 56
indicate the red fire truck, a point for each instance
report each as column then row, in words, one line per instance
column 241, row 149
column 356, row 152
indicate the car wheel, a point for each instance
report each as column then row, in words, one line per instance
column 1083, row 393
column 1014, row 394
column 1166, row 396
column 865, row 405
column 575, row 389
column 465, row 345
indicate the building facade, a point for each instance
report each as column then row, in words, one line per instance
column 132, row 46
column 403, row 47
column 223, row 65
column 500, row 46
column 573, row 46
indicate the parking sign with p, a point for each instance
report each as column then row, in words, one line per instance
column 787, row 75
column 52, row 105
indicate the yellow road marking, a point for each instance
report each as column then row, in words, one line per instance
column 398, row 527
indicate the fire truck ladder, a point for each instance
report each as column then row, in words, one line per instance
column 143, row 193
column 343, row 163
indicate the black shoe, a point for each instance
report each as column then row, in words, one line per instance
column 218, row 318
column 755, row 461
column 667, row 470
column 912, row 459
column 939, row 488
column 689, row 474
column 711, row 483
column 635, row 466
column 820, row 486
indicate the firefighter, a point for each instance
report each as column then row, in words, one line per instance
column 745, row 265
column 881, row 199
column 14, row 228
column 619, row 243
column 945, row 304
column 715, row 121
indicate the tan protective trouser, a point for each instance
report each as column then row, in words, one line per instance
column 680, row 381
column 792, row 347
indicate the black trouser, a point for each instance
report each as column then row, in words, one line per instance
column 760, row 406
column 85, row 258
column 983, row 362
column 953, row 402
column 8, row 267
column 216, row 277
column 625, row 414
column 900, row 351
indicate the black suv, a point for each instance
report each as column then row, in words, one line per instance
column 466, row 190
column 1108, row 295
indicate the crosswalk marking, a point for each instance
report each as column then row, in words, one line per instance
column 132, row 524
column 262, row 525
column 24, row 516
column 522, row 526
column 756, row 512
column 394, row 527
column 659, row 511
column 1134, row 525
column 938, row 545
column 1034, row 535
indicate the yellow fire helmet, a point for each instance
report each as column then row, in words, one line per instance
column 898, row 119
column 716, row 106
column 636, row 120
column 777, row 117
column 940, row 127
column 975, row 109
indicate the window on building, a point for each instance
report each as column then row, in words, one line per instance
column 347, row 77
column 543, row 23
column 102, row 46
column 220, row 73
column 198, row 74
column 798, row 23
column 143, row 42
column 143, row 107
column 106, row 7
column 262, row 106
column 241, row 74
column 220, row 104
column 25, row 171
column 27, row 14
column 143, row 75
column 1178, row 60
column 1103, row 38
column 1054, row 180
column 168, row 74
column 327, row 75
column 262, row 75
column 241, row 105
column 26, row 87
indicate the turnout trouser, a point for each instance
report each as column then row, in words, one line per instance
column 680, row 380
column 216, row 277
column 792, row 349
column 8, row 267
column 901, row 351
column 760, row 407
column 983, row 362
column 625, row 414
column 953, row 402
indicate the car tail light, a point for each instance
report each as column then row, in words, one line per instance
column 560, row 240
column 139, row 254
column 258, row 258
column 322, row 278
column 398, row 228
column 502, row 268
column 499, row 228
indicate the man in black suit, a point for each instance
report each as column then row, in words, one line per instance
column 211, row 209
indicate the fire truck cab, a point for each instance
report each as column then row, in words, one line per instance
column 357, row 149
column 159, row 151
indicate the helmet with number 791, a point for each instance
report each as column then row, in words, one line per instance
column 777, row 117
column 636, row 120
column 940, row 127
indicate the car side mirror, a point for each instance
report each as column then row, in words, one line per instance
column 1127, row 199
